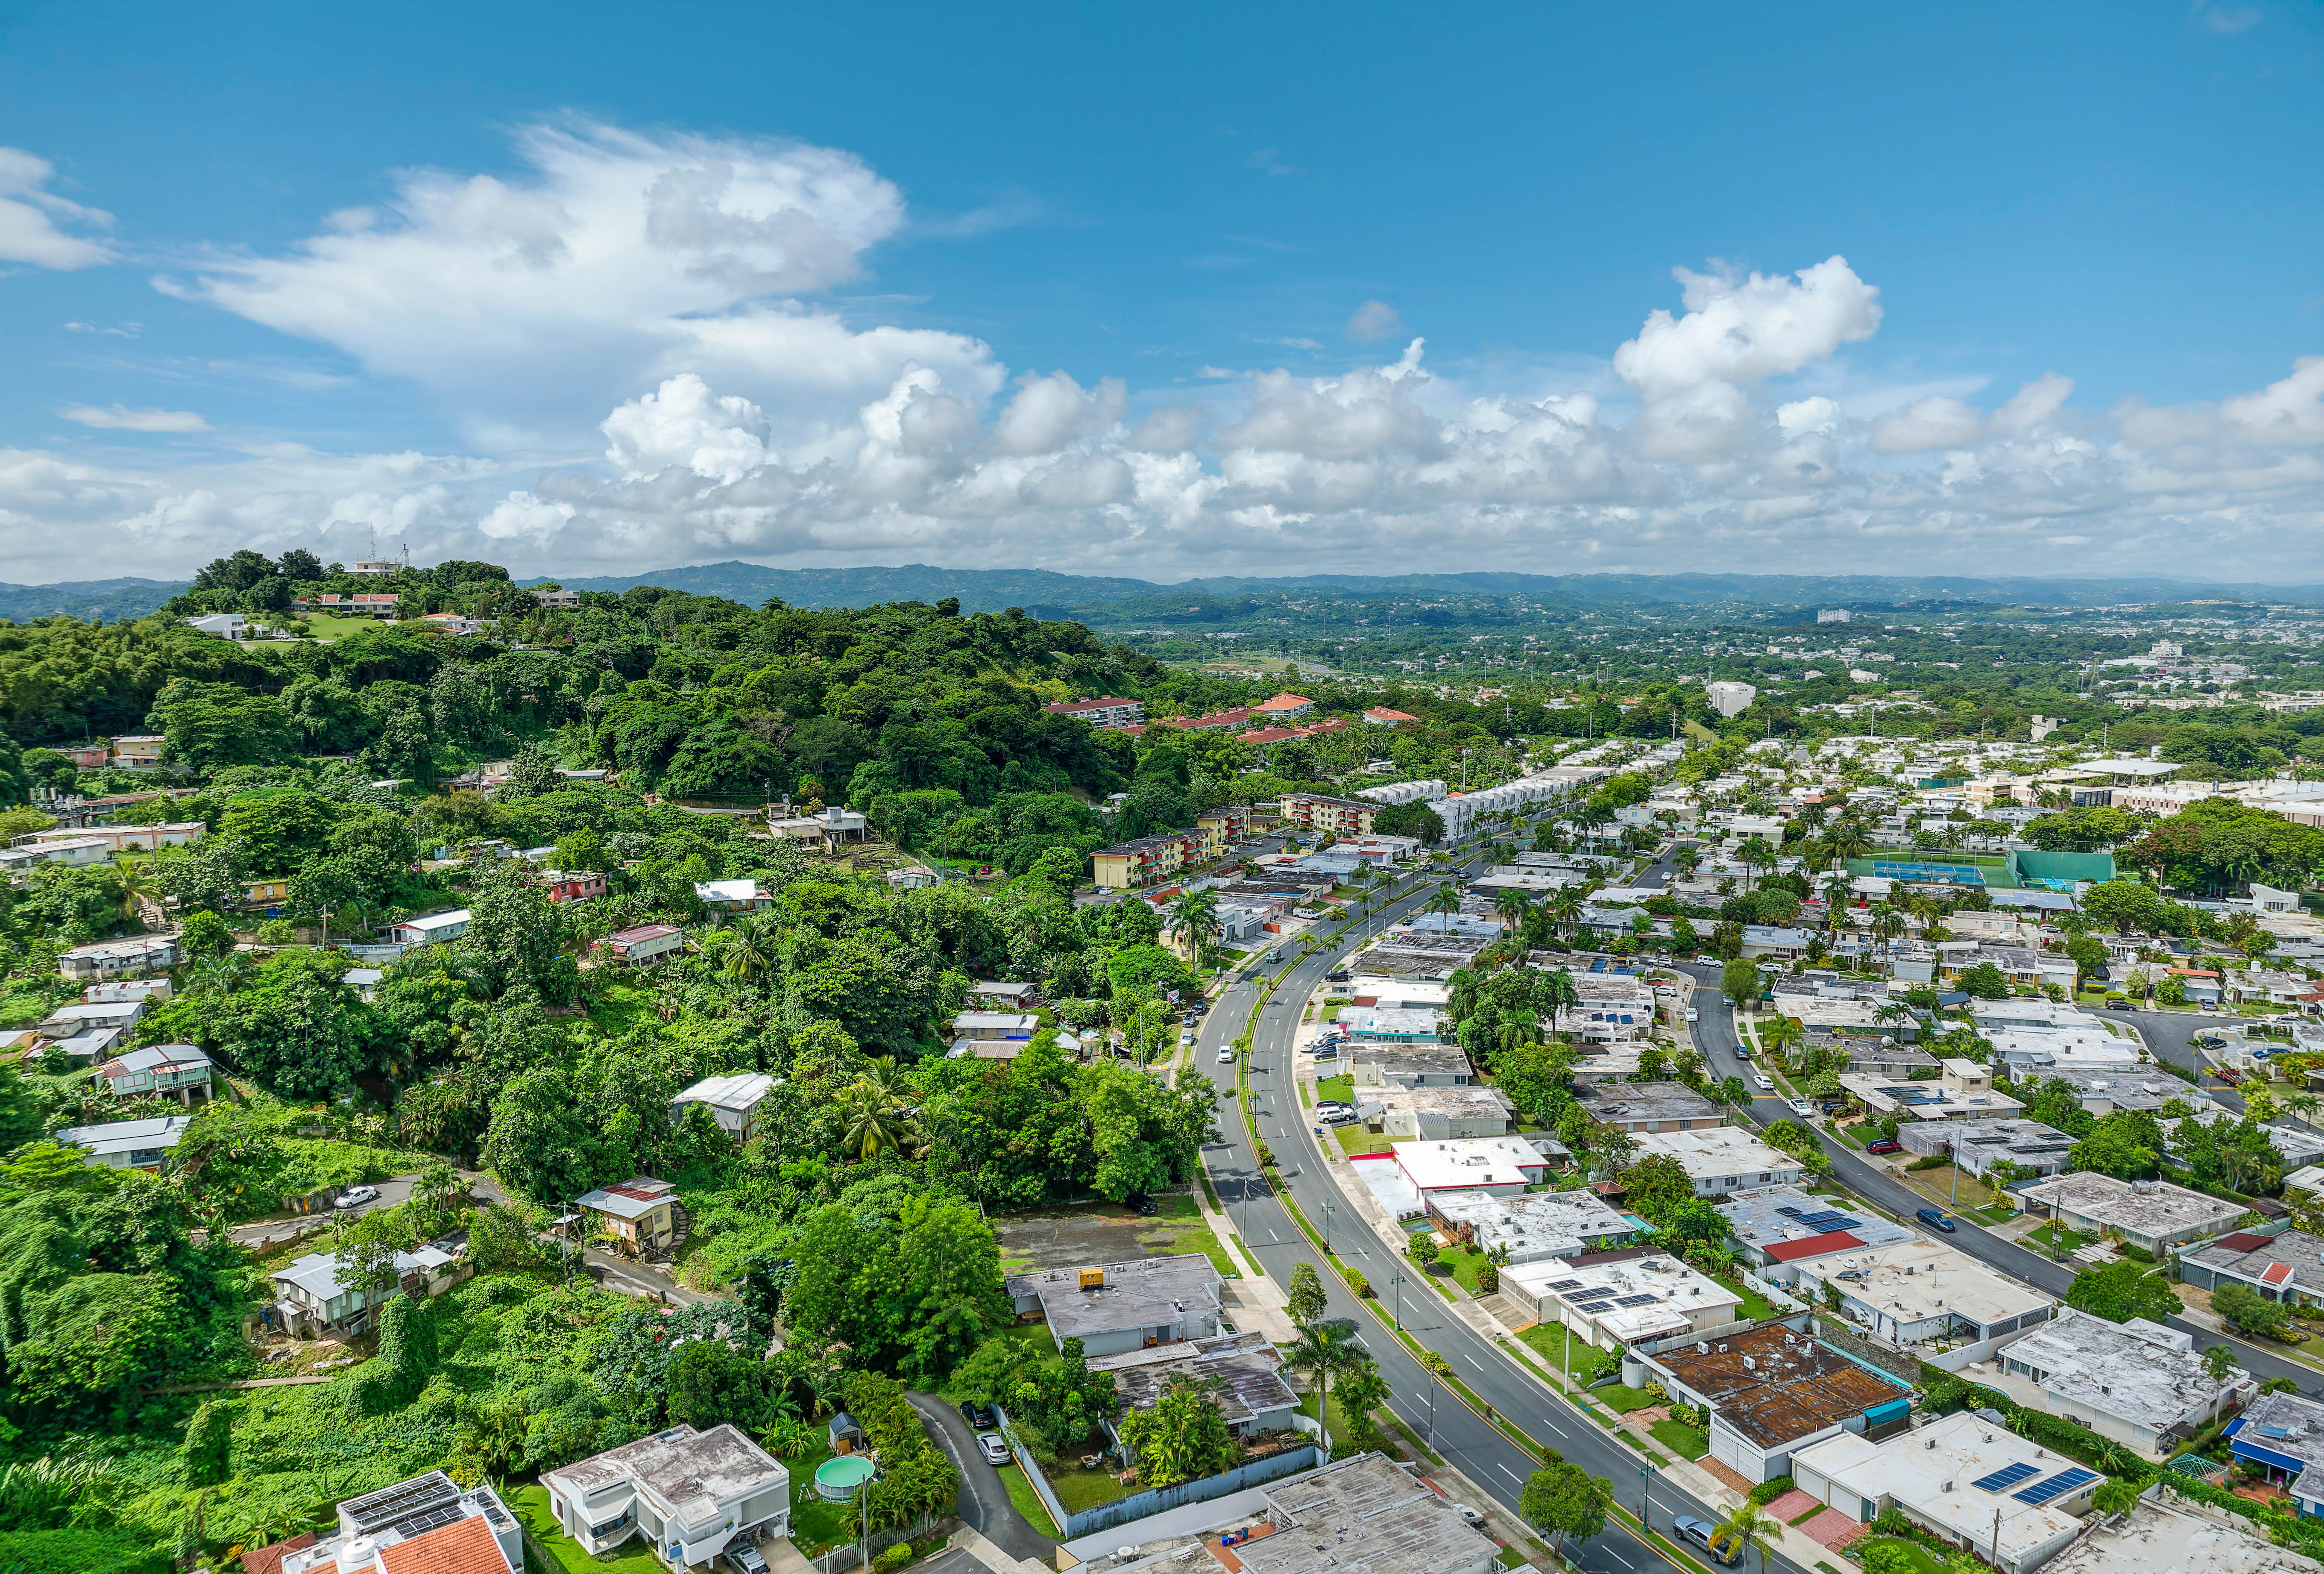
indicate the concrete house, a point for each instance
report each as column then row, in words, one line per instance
column 2287, row 1268
column 1252, row 1396
column 690, row 1495
column 1437, row 1113
column 1530, row 1225
column 994, row 1026
column 179, row 1071
column 1502, row 1165
column 427, row 1525
column 2283, row 1434
column 734, row 1100
column 1772, row 1389
column 2137, row 1381
column 1783, row 1224
column 1370, row 1513
column 1917, row 1291
column 1650, row 1106
column 641, row 1213
column 1115, row 1307
column 1618, row 1299
column 1379, row 1065
column 2152, row 1214
column 1723, row 1159
column 121, row 959
column 433, row 929
column 1002, row 995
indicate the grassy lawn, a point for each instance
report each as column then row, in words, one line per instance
column 814, row 1523
column 1342, row 1425
column 1181, row 1218
column 2059, row 1238
column 1331, row 1011
column 532, row 1505
column 1548, row 1341
column 1754, row 1305
column 1465, row 1267
column 1080, row 1490
column 1914, row 1553
column 1342, row 1088
column 325, row 627
column 1029, row 1502
column 1687, row 1442
column 1354, row 1138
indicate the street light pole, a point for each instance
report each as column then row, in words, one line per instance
column 1645, row 1488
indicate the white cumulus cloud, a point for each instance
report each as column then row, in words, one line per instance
column 120, row 418
column 31, row 214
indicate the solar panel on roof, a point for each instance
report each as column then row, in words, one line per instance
column 1566, row 1284
column 1638, row 1299
column 2008, row 1476
column 420, row 1524
column 1789, row 1208
column 2064, row 1481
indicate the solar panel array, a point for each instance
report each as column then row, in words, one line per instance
column 1638, row 1299
column 1566, row 1284
column 420, row 1524
column 2064, row 1481
column 2008, row 1476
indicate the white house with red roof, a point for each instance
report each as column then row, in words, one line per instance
column 429, row 1524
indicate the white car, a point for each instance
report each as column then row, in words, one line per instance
column 1693, row 1014
column 1765, row 1083
column 1226, row 1055
column 1803, row 1109
column 1186, row 1038
column 357, row 1196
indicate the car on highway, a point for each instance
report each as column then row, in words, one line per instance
column 1693, row 1014
column 980, row 1418
column 1766, row 1083
column 1716, row 1539
column 1936, row 1219
column 1803, row 1109
column 357, row 1196
column 1885, row 1146
column 1226, row 1054
column 1741, row 1053
column 994, row 1451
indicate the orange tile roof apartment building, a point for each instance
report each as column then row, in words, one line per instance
column 1339, row 816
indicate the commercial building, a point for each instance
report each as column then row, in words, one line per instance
column 1437, row 1113
column 1729, row 699
column 1978, row 1486
column 1771, row 1390
column 1531, row 1227
column 2151, row 1215
column 2282, row 1436
column 1124, row 1306
column 690, row 1495
column 426, row 1525
column 1650, row 1106
column 734, row 1100
column 1498, row 1164
column 1917, row 1291
column 2138, row 1381
column 1626, row 1297
column 1723, row 1159
column 1378, row 1065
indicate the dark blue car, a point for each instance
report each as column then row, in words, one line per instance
column 1935, row 1218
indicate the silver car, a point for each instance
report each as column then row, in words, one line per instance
column 996, row 1452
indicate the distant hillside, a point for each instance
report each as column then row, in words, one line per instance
column 97, row 600
column 1040, row 590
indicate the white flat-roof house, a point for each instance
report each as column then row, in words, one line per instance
column 690, row 1495
column 1980, row 1486
column 733, row 1099
column 2151, row 1215
column 1530, row 1225
column 1114, row 1307
column 1721, row 1159
column 1643, row 1295
column 1916, row 1292
column 1501, row 1165
column 1437, row 1113
column 432, row 929
column 2136, row 1382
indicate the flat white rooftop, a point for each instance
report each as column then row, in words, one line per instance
column 1935, row 1471
column 1915, row 1281
column 1466, row 1162
column 2156, row 1540
column 1718, row 1152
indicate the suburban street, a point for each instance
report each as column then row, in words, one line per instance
column 1479, row 1449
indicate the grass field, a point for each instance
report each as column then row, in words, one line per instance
column 1354, row 1138
column 1340, row 1089
column 1687, row 1442
column 325, row 627
column 530, row 1504
column 1029, row 1502
column 620, row 1008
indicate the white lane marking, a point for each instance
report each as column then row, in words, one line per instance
column 1505, row 1471
column 1615, row 1552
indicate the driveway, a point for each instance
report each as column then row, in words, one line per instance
column 984, row 1504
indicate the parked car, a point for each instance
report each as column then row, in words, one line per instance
column 1226, row 1054
column 1936, row 1219
column 1186, row 1039
column 983, row 1417
column 1766, row 1083
column 1327, row 1105
column 1340, row 1118
column 1803, row 1109
column 1885, row 1146
column 742, row 1555
column 1716, row 1539
column 995, row 1452
column 1339, row 977
column 2120, row 1005
column 357, row 1196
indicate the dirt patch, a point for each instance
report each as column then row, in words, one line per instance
column 1084, row 1232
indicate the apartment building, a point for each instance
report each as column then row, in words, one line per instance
column 1350, row 816
column 1146, row 861
column 1108, row 710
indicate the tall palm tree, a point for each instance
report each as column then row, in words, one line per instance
column 874, row 1123
column 753, row 950
column 1567, row 905
column 1752, row 1527
column 1447, row 901
column 134, row 876
column 1556, row 992
column 1513, row 905
column 1322, row 1352
column 1688, row 859
column 1754, row 853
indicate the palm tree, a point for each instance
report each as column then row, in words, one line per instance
column 1195, row 919
column 1513, row 905
column 2301, row 1107
column 1750, row 1525
column 1567, row 905
column 1447, row 901
column 1461, row 992
column 874, row 1121
column 1754, row 853
column 1321, row 1352
column 1779, row 1034
column 134, row 876
column 1688, row 859
column 1556, row 992
column 753, row 950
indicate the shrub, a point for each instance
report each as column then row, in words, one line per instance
column 890, row 1558
column 1357, row 1282
column 1766, row 1492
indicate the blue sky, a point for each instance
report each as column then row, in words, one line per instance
column 611, row 288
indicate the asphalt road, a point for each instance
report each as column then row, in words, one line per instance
column 984, row 1502
column 1714, row 1036
column 1486, row 1455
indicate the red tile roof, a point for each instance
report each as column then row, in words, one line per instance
column 465, row 1547
column 1813, row 1247
column 269, row 1560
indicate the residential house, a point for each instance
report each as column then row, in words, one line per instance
column 1978, row 1145
column 121, row 959
column 1501, row 1165
column 179, row 1071
column 1721, row 1160
column 690, row 1495
column 1963, row 1091
column 1002, row 995
column 1115, row 1307
column 1107, row 710
column 1650, row 1106
column 1529, row 1225
column 453, row 623
column 834, row 825
column 914, row 877
column 427, row 1525
column 731, row 896
column 1380, row 1026
column 151, row 991
column 2154, row 1216
column 1917, row 1291
column 1244, row 1372
column 2288, row 1267
column 1314, row 811
column 314, row 1299
column 557, row 600
column 572, row 884
column 641, row 1213
column 128, row 1144
column 1976, row 1485
column 994, row 1026
column 2282, row 1435
column 1382, row 715
column 734, row 1100
column 1782, row 1225
column 1768, row 940
column 1612, row 1008
column 132, row 838
column 2154, row 1539
column 1436, row 1114
column 138, row 752
column 434, row 929
column 2136, row 1382
column 117, row 1016
column 72, row 850
column 1284, row 708
column 644, row 945
column 270, row 892
column 1620, row 1298
column 1373, row 1517
column 1771, row 1390
column 1410, row 1065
